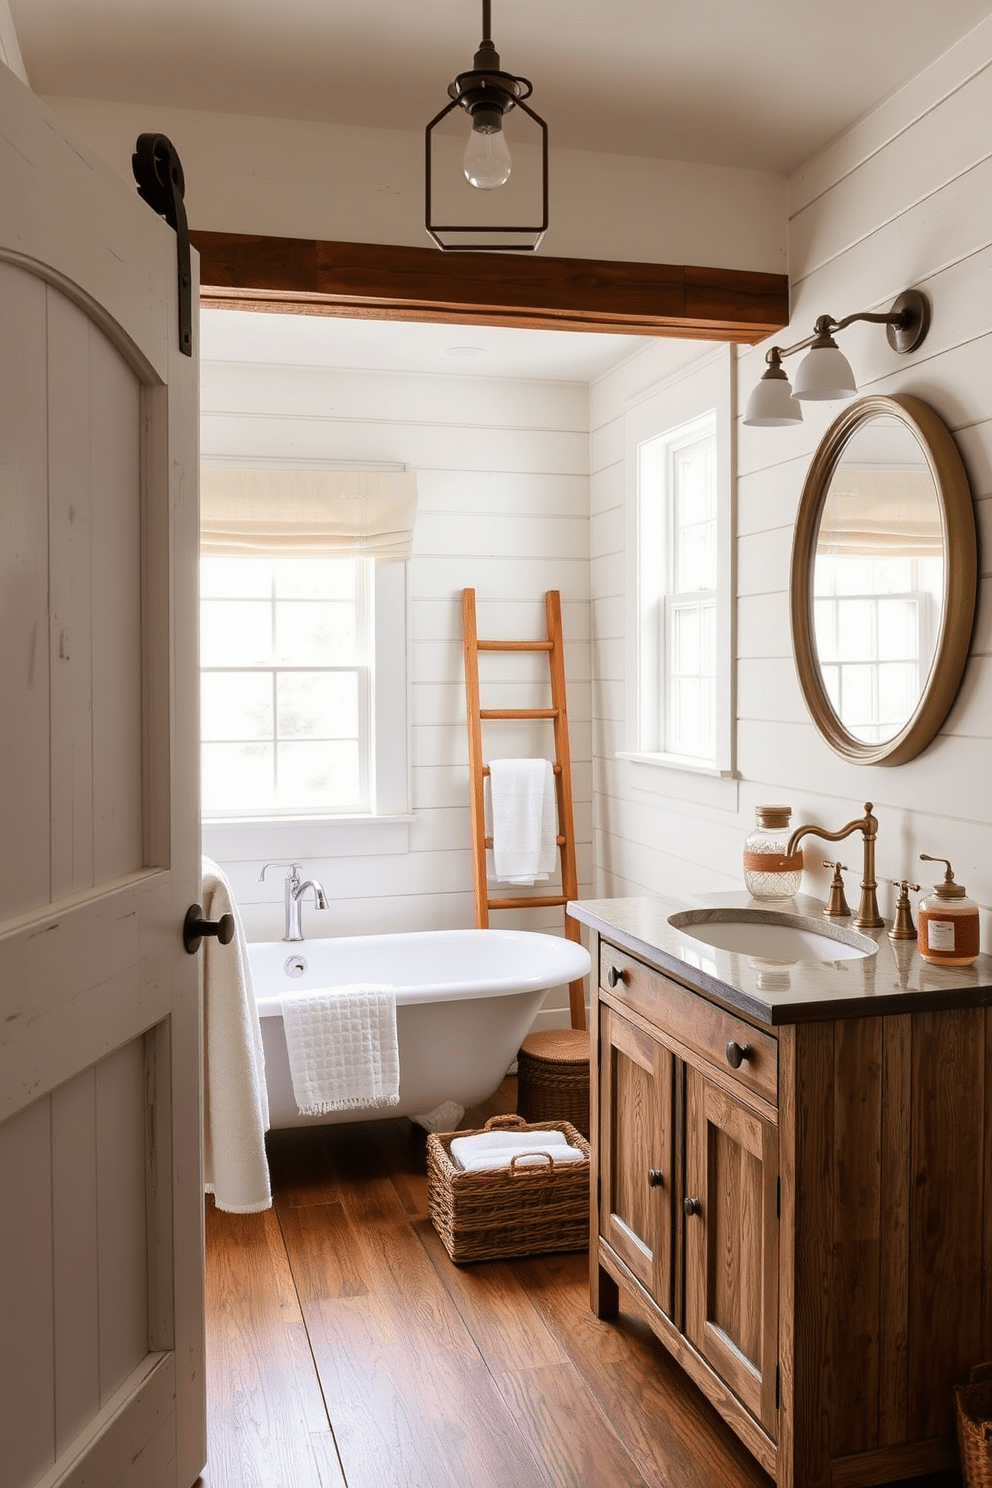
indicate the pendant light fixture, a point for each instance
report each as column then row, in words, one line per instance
column 825, row 373
column 487, row 94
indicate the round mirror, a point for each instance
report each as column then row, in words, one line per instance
column 884, row 578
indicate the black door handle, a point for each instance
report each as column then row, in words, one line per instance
column 195, row 927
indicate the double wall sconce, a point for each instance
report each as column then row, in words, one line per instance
column 825, row 373
column 487, row 94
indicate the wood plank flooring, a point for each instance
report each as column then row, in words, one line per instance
column 344, row 1350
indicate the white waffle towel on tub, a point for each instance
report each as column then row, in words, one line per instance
column 343, row 1051
column 524, row 817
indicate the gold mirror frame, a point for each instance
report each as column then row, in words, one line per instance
column 960, row 587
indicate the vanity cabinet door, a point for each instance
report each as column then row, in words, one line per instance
column 731, row 1243
column 637, row 1152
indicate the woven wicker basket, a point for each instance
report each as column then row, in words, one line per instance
column 553, row 1077
column 515, row 1211
column 973, row 1404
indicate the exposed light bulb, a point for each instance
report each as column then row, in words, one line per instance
column 487, row 162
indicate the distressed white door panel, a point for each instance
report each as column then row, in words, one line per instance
column 101, row 1329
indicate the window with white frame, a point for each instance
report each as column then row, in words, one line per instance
column 679, row 608
column 303, row 689
column 875, row 621
column 286, row 677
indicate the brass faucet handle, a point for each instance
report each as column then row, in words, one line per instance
column 837, row 906
column 902, row 926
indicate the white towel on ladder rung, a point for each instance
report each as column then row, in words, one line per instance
column 523, row 820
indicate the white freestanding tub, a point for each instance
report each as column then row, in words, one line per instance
column 464, row 1001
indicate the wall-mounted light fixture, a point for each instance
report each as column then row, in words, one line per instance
column 825, row 373
column 487, row 94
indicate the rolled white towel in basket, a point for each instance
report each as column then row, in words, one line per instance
column 498, row 1138
column 497, row 1149
column 540, row 1154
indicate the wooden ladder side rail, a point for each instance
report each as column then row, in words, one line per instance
column 478, row 770
column 563, row 781
column 476, row 765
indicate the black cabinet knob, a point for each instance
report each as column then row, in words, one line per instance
column 655, row 1177
column 614, row 976
column 692, row 1206
column 195, row 927
column 737, row 1053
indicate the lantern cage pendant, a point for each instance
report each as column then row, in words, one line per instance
column 487, row 94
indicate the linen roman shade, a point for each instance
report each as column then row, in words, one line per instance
column 881, row 513
column 256, row 511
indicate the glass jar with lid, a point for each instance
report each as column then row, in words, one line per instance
column 768, row 872
column 947, row 922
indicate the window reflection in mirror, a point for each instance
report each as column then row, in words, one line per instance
column 878, row 580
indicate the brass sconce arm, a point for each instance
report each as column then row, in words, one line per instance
column 908, row 321
column 868, row 917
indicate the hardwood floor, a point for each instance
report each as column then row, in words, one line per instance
column 344, row 1350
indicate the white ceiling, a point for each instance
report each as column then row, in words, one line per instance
column 397, row 346
column 756, row 83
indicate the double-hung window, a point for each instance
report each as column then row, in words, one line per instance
column 877, row 584
column 303, row 643
column 679, row 607
column 286, row 680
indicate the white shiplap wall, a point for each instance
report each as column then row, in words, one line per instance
column 902, row 199
column 502, row 470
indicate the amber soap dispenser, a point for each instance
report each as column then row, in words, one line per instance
column 947, row 922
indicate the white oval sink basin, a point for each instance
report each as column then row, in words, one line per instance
column 772, row 935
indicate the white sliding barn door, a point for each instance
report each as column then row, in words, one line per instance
column 101, row 1337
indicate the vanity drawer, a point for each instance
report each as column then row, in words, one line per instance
column 717, row 1035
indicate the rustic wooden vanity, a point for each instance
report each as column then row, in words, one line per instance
column 792, row 1185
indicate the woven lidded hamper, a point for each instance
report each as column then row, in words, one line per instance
column 515, row 1211
column 973, row 1405
column 553, row 1077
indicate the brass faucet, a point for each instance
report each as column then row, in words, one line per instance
column 868, row 917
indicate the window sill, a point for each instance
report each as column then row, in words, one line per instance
column 676, row 762
column 672, row 775
column 306, row 837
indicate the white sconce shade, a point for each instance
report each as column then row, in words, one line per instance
column 771, row 404
column 824, row 373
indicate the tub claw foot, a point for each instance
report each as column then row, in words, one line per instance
column 443, row 1118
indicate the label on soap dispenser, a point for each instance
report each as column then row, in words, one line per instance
column 940, row 935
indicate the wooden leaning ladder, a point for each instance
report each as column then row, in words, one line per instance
column 558, row 716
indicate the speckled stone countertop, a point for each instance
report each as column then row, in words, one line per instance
column 896, row 979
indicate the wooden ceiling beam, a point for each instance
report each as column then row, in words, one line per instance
column 382, row 282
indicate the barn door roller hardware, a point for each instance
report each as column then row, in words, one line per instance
column 159, row 174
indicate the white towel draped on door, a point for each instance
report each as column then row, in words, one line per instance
column 236, row 1108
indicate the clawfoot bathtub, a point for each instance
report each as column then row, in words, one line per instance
column 464, row 1001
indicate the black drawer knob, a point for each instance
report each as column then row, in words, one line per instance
column 692, row 1206
column 614, row 976
column 655, row 1177
column 737, row 1053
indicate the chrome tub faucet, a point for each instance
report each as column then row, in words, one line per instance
column 868, row 917
column 295, row 889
